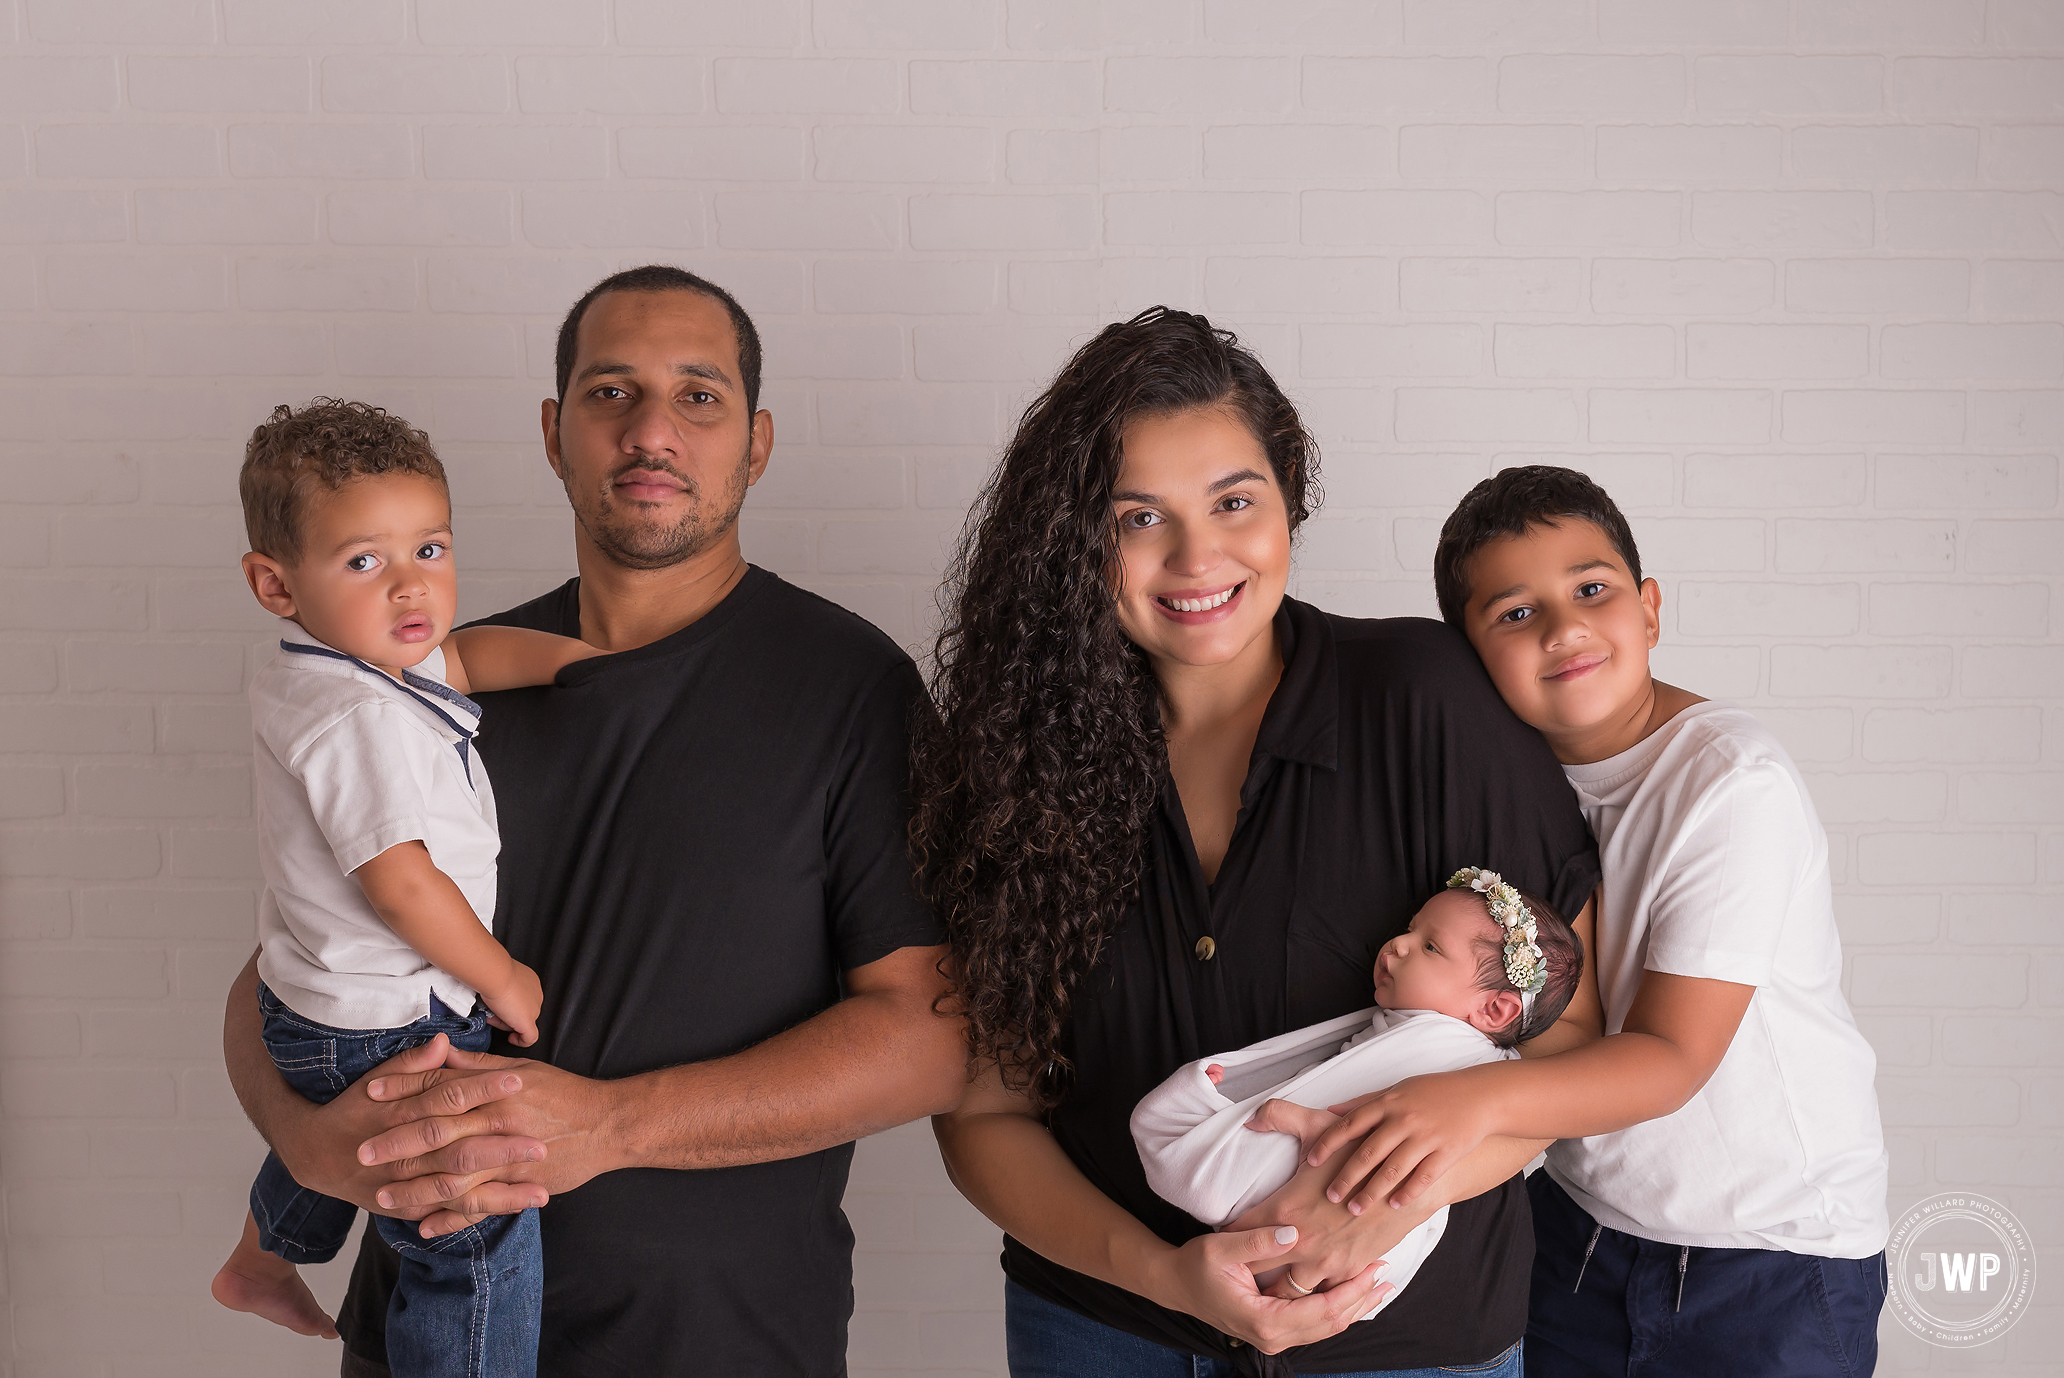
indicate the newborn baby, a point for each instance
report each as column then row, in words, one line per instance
column 1481, row 967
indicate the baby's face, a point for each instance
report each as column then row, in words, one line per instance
column 1432, row 965
column 375, row 577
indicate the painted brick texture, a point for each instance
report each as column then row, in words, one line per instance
column 1787, row 277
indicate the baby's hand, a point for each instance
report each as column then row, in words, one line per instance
column 1288, row 1117
column 1215, row 1072
column 514, row 1004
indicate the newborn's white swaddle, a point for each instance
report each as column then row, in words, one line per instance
column 1200, row 1155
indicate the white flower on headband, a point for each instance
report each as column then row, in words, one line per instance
column 1525, row 967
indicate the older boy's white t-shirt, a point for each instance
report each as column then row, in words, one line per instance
column 1715, row 865
column 348, row 763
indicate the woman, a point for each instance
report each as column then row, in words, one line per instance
column 1166, row 810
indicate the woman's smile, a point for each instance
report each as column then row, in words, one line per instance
column 1192, row 607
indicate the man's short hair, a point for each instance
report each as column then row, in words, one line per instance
column 297, row 455
column 663, row 277
column 1511, row 503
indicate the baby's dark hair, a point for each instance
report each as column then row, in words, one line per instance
column 295, row 457
column 1562, row 954
column 1510, row 503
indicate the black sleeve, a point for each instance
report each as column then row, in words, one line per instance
column 1487, row 783
column 870, row 893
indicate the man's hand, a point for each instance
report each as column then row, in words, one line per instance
column 320, row 1146
column 456, row 1152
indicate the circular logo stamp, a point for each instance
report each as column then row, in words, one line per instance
column 1962, row 1269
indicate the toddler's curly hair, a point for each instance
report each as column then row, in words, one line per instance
column 297, row 456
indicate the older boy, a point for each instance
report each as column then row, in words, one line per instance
column 1717, row 1201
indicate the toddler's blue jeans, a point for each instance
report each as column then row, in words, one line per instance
column 1605, row 1302
column 467, row 1304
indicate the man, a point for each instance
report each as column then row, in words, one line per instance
column 703, row 856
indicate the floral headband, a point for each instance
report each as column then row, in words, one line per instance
column 1524, row 966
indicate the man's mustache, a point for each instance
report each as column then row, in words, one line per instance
column 651, row 466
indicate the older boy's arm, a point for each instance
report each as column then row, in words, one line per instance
column 492, row 658
column 881, row 1057
column 1673, row 1038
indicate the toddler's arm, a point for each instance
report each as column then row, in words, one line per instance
column 484, row 659
column 427, row 909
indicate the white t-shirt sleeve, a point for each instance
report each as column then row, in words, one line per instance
column 1719, row 910
column 367, row 783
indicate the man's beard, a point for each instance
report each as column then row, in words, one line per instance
column 624, row 540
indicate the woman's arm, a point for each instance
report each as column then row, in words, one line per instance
column 1008, row 1164
column 480, row 660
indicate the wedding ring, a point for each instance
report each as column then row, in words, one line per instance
column 1302, row 1290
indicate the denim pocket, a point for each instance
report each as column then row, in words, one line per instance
column 308, row 1063
column 1503, row 1361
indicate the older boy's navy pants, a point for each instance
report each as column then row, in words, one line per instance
column 1650, row 1310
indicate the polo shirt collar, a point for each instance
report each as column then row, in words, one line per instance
column 455, row 715
column 1302, row 721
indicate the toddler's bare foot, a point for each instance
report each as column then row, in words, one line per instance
column 1215, row 1072
column 269, row 1286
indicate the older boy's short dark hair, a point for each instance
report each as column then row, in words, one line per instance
column 664, row 277
column 297, row 455
column 1562, row 958
column 1507, row 505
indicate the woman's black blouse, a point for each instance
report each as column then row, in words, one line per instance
column 1385, row 762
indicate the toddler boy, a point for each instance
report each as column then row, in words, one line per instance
column 377, row 838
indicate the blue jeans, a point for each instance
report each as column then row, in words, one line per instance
column 1636, row 1308
column 467, row 1303
column 1048, row 1341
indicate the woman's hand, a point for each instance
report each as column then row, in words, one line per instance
column 1212, row 1278
column 1410, row 1136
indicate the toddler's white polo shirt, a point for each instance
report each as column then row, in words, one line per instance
column 349, row 762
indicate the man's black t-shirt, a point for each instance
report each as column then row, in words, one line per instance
column 698, row 837
column 1385, row 762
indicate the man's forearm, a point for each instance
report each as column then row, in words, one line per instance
column 874, row 1060
column 260, row 1089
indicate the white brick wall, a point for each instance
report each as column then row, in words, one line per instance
column 1788, row 277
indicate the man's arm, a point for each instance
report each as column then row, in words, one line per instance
column 318, row 1143
column 880, row 1057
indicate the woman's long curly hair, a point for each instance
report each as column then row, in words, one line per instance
column 1035, row 780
